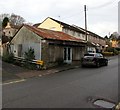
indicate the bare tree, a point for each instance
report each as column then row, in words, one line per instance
column 2, row 16
column 16, row 19
column 13, row 19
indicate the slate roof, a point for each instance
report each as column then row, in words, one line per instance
column 89, row 32
column 36, row 25
column 55, row 35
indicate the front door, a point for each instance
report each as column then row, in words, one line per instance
column 67, row 55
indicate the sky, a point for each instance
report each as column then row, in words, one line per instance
column 102, row 15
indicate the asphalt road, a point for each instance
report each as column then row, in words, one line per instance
column 75, row 88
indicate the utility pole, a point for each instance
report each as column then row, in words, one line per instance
column 85, row 23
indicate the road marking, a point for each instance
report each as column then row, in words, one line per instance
column 12, row 82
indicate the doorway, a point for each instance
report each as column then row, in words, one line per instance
column 68, row 55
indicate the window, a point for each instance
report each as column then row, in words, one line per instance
column 99, row 55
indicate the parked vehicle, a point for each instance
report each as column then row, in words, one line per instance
column 94, row 59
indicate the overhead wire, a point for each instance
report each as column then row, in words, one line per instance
column 103, row 5
column 73, row 17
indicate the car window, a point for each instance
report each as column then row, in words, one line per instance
column 89, row 55
column 96, row 55
column 99, row 55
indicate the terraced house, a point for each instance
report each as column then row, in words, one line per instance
column 95, row 42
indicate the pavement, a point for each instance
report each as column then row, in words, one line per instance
column 12, row 72
column 15, row 73
column 40, row 73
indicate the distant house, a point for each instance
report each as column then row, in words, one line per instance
column 10, row 30
column 75, row 31
column 50, row 46
column 4, row 44
column 115, row 43
column 6, row 35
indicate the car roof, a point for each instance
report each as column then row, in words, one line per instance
column 93, row 53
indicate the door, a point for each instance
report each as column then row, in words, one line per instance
column 67, row 55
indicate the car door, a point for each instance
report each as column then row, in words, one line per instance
column 99, row 58
column 102, row 60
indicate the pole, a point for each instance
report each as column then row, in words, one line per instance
column 85, row 23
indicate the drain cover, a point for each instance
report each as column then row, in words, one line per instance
column 104, row 103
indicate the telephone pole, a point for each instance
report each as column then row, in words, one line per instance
column 85, row 23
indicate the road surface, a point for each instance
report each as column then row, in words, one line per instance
column 75, row 88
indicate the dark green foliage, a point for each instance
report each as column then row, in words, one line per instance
column 114, row 50
column 5, row 21
column 8, row 57
column 29, row 55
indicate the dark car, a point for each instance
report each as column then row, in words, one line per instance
column 94, row 59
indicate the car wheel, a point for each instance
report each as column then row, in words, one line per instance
column 97, row 64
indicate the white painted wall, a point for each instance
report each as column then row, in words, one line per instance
column 26, row 39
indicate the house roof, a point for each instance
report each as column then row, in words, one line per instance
column 65, row 25
column 75, row 28
column 54, row 35
column 36, row 25
column 89, row 32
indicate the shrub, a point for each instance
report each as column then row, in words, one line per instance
column 114, row 50
column 107, row 53
column 8, row 57
column 110, row 49
column 29, row 56
column 118, row 49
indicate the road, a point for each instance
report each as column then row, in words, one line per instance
column 74, row 88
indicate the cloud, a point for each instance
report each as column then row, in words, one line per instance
column 103, row 28
column 70, row 11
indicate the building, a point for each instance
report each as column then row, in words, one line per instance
column 6, row 35
column 50, row 46
column 10, row 30
column 75, row 31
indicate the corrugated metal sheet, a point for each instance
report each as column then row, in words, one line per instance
column 55, row 35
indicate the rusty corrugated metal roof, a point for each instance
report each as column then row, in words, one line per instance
column 55, row 35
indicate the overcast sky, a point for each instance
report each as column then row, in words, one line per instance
column 102, row 15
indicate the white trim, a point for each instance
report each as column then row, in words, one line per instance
column 67, row 61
